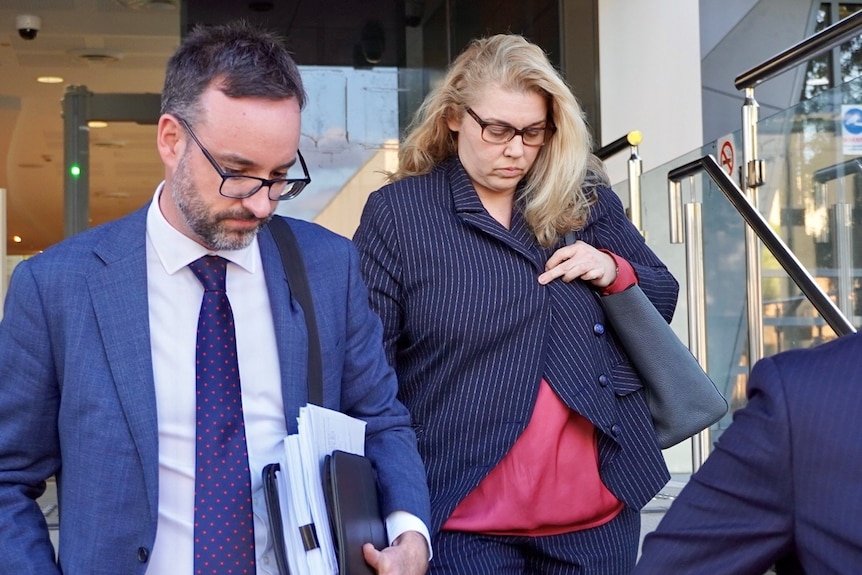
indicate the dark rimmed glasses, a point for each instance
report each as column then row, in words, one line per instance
column 238, row 186
column 503, row 133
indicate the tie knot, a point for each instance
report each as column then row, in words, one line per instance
column 211, row 271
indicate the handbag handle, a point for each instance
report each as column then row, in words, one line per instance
column 291, row 258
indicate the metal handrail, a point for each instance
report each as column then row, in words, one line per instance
column 811, row 47
column 836, row 171
column 797, row 272
column 633, row 138
column 635, row 169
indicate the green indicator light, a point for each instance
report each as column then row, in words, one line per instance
column 75, row 170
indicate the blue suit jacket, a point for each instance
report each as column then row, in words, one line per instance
column 784, row 479
column 472, row 333
column 77, row 395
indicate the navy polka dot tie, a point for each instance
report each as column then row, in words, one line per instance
column 224, row 528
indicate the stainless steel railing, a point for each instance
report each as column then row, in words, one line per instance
column 686, row 225
column 635, row 169
column 753, row 168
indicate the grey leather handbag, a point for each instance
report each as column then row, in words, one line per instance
column 682, row 398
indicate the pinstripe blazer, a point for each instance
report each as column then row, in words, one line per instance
column 471, row 333
column 783, row 484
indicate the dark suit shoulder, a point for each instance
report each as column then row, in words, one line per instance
column 841, row 351
column 417, row 189
column 828, row 373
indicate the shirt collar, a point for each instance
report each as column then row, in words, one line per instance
column 176, row 250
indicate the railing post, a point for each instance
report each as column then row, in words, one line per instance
column 688, row 215
column 696, row 308
column 752, row 175
column 635, row 169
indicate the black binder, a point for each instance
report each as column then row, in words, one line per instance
column 350, row 488
column 350, row 484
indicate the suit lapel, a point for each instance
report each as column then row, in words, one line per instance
column 119, row 296
column 470, row 210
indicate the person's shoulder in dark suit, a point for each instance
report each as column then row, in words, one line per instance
column 781, row 486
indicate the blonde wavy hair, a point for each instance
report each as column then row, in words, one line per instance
column 557, row 193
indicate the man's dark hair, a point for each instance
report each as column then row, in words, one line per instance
column 245, row 61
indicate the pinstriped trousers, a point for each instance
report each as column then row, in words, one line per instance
column 610, row 549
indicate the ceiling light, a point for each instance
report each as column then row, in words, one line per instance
column 97, row 124
column 97, row 55
column 49, row 79
column 149, row 4
column 17, row 239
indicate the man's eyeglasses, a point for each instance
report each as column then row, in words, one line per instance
column 239, row 186
column 502, row 133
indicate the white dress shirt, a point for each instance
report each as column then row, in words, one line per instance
column 175, row 296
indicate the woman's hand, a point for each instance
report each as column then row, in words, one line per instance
column 580, row 260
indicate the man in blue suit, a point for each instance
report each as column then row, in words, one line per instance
column 97, row 345
column 783, row 484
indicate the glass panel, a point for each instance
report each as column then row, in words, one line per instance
column 820, row 72
column 724, row 265
column 811, row 198
column 350, row 129
column 850, row 53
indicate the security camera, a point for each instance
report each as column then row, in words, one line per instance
column 28, row 26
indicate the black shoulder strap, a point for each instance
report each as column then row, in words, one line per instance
column 291, row 258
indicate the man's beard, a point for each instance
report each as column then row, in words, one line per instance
column 207, row 225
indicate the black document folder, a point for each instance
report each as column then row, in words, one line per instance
column 350, row 490
column 273, row 512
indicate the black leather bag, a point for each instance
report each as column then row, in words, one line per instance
column 682, row 399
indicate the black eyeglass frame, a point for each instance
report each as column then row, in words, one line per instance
column 295, row 185
column 548, row 130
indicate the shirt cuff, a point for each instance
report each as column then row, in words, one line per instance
column 626, row 276
column 399, row 522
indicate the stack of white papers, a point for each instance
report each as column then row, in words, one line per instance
column 307, row 534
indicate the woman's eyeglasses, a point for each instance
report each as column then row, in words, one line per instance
column 502, row 133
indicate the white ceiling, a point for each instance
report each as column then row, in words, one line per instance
column 124, row 165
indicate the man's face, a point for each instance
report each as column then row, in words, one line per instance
column 245, row 136
column 215, row 227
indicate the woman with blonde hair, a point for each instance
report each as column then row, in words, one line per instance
column 532, row 424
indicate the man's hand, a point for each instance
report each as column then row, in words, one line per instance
column 408, row 555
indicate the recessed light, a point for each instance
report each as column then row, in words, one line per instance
column 97, row 124
column 17, row 239
column 149, row 4
column 49, row 79
column 96, row 55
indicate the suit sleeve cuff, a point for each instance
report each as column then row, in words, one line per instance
column 626, row 276
column 399, row 522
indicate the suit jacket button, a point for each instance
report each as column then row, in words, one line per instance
column 603, row 380
column 615, row 430
column 143, row 554
column 599, row 329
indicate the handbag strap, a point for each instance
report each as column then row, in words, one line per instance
column 291, row 258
